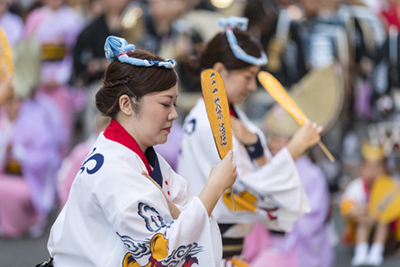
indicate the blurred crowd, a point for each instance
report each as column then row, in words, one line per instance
column 50, row 123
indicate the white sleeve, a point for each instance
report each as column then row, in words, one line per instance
column 354, row 192
column 277, row 184
column 138, row 212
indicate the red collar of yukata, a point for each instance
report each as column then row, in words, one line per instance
column 115, row 132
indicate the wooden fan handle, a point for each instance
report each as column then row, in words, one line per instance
column 233, row 199
column 326, row 151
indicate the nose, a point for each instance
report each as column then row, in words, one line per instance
column 252, row 86
column 173, row 115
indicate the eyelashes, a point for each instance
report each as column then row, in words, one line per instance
column 167, row 106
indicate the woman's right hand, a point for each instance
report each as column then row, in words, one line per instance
column 307, row 136
column 222, row 176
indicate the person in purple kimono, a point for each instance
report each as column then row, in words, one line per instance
column 304, row 246
column 10, row 23
column 57, row 27
column 29, row 154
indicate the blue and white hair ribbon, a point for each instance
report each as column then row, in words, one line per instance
column 241, row 24
column 117, row 48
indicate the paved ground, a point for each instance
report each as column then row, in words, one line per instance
column 27, row 252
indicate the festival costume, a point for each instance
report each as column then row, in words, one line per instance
column 271, row 194
column 57, row 32
column 12, row 26
column 356, row 193
column 304, row 246
column 115, row 216
column 27, row 179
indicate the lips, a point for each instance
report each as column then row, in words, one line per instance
column 167, row 129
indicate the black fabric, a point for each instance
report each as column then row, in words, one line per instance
column 153, row 161
column 238, row 242
column 223, row 227
column 234, row 111
column 90, row 45
column 255, row 150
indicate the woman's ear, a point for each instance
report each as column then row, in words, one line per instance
column 125, row 105
column 220, row 67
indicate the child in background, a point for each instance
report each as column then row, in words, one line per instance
column 354, row 209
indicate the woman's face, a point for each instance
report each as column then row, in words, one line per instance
column 153, row 122
column 240, row 83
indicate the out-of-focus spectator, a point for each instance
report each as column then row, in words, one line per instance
column 390, row 13
column 159, row 31
column 202, row 17
column 10, row 23
column 367, row 37
column 29, row 156
column 88, row 9
column 89, row 60
column 57, row 26
column 354, row 209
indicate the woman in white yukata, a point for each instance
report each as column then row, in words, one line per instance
column 127, row 207
column 268, row 189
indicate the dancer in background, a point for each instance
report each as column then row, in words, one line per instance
column 268, row 189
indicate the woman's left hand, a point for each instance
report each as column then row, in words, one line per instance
column 172, row 207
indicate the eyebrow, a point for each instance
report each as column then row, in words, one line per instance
column 254, row 72
column 170, row 96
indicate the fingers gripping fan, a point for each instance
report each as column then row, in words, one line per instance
column 218, row 112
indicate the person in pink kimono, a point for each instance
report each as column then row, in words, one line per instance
column 57, row 27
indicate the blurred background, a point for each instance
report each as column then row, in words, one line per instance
column 339, row 59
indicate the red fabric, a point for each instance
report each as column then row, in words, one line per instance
column 391, row 15
column 155, row 263
column 115, row 132
column 393, row 226
column 366, row 188
column 231, row 112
